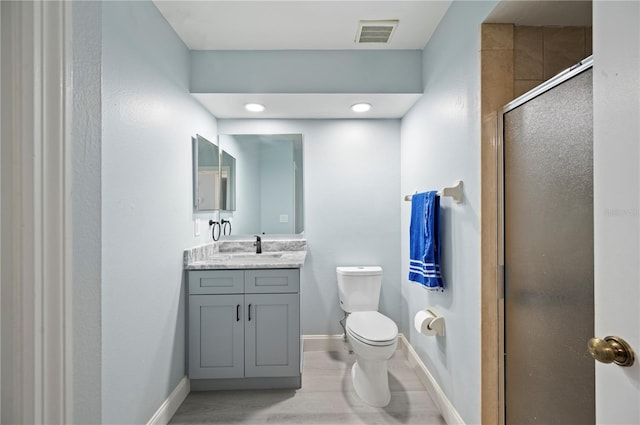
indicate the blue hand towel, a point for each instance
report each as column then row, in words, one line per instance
column 424, row 239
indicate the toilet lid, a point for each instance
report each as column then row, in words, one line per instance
column 372, row 327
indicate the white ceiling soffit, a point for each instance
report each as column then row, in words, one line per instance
column 307, row 106
column 298, row 25
column 543, row 13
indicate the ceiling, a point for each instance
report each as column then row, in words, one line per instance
column 330, row 25
column 300, row 25
column 297, row 25
column 543, row 12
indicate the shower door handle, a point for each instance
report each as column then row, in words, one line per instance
column 611, row 349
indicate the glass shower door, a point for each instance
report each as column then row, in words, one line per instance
column 549, row 376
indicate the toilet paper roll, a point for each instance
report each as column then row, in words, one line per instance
column 422, row 320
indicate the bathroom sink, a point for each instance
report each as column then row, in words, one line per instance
column 254, row 255
column 245, row 256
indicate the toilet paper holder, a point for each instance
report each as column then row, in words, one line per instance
column 431, row 323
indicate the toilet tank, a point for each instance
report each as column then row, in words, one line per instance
column 359, row 288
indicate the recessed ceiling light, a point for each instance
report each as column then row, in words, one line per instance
column 254, row 107
column 361, row 107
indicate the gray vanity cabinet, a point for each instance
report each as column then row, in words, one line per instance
column 216, row 335
column 244, row 326
column 272, row 335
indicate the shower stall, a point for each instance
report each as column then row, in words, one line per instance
column 546, row 250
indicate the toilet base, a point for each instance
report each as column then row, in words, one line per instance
column 371, row 381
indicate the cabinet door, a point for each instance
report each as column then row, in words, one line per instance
column 268, row 281
column 272, row 335
column 216, row 336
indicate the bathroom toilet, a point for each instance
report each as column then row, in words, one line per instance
column 373, row 336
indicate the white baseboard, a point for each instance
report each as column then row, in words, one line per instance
column 166, row 411
column 448, row 412
column 323, row 342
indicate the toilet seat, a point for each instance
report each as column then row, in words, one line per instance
column 372, row 328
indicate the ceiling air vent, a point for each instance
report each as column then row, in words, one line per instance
column 375, row 31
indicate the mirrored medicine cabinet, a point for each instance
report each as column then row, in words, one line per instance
column 254, row 180
column 213, row 177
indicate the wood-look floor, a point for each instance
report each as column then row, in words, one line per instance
column 326, row 397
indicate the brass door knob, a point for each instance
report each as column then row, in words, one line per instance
column 611, row 349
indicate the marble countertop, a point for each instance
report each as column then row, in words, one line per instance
column 276, row 254
column 266, row 260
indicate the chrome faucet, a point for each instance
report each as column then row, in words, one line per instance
column 258, row 244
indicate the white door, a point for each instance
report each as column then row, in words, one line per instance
column 616, row 49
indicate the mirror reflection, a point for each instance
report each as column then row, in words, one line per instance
column 206, row 174
column 227, row 182
column 268, row 171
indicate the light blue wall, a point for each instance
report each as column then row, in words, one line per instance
column 351, row 208
column 441, row 144
column 87, row 213
column 304, row 71
column 148, row 121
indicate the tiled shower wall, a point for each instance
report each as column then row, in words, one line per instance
column 542, row 52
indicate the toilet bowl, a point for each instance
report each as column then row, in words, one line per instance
column 373, row 338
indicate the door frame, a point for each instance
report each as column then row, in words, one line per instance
column 37, row 212
column 566, row 75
